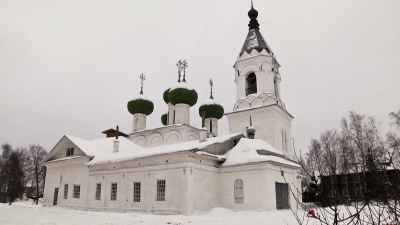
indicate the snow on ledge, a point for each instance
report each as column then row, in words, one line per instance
column 246, row 152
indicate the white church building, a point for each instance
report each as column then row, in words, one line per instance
column 178, row 168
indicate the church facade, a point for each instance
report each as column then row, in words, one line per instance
column 182, row 169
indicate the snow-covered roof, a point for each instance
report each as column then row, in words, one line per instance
column 246, row 152
column 141, row 96
column 106, row 154
column 181, row 85
column 210, row 101
column 103, row 145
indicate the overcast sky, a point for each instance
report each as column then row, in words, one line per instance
column 70, row 67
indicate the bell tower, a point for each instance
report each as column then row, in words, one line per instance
column 258, row 93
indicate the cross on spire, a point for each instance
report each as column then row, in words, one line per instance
column 211, row 84
column 142, row 78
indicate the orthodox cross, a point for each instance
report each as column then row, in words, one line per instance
column 184, row 66
column 179, row 65
column 211, row 84
column 142, row 78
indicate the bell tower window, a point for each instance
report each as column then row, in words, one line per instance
column 251, row 84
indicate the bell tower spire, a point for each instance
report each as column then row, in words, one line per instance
column 258, row 91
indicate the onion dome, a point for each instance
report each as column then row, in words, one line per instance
column 140, row 104
column 165, row 95
column 253, row 24
column 164, row 119
column 251, row 130
column 212, row 109
column 252, row 13
column 182, row 93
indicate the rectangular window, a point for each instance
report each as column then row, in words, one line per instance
column 70, row 151
column 114, row 191
column 65, row 191
column 98, row 192
column 343, row 180
column 344, row 192
column 160, row 190
column 77, row 191
column 283, row 141
column 136, row 191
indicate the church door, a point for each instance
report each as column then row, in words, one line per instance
column 282, row 196
column 55, row 196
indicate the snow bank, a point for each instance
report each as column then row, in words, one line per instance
column 218, row 211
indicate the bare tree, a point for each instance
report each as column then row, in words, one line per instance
column 354, row 182
column 36, row 154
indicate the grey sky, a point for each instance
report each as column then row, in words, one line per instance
column 70, row 67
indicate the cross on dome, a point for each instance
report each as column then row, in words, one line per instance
column 211, row 84
column 184, row 66
column 179, row 65
column 142, row 78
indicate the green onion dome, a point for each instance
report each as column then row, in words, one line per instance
column 164, row 119
column 140, row 104
column 182, row 93
column 165, row 95
column 212, row 109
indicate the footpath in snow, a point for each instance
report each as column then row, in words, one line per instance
column 24, row 213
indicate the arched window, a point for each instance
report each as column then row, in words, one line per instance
column 239, row 194
column 251, row 84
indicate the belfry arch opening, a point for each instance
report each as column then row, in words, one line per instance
column 251, row 84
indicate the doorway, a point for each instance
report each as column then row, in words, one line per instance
column 55, row 196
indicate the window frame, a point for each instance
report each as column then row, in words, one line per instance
column 161, row 190
column 77, row 191
column 345, row 192
column 358, row 192
column 238, row 191
column 98, row 192
column 65, row 191
column 137, row 186
column 70, row 151
column 114, row 193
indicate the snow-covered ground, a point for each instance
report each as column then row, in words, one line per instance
column 25, row 213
